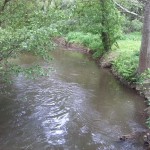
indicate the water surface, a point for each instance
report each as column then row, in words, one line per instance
column 77, row 107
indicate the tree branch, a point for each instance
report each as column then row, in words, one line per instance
column 126, row 10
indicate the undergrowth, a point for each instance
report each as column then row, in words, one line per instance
column 89, row 40
column 126, row 66
column 127, row 62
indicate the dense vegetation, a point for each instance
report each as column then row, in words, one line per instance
column 24, row 28
column 99, row 25
column 30, row 27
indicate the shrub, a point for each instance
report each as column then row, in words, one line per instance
column 136, row 25
column 126, row 65
column 131, row 26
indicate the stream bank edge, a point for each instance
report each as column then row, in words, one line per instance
column 106, row 61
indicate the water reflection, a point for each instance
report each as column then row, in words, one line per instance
column 78, row 107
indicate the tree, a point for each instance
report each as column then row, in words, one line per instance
column 99, row 17
column 144, row 62
column 104, row 21
column 24, row 29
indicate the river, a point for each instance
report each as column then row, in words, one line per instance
column 77, row 107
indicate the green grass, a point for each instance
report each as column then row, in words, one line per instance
column 129, row 45
column 134, row 36
column 129, row 42
column 127, row 62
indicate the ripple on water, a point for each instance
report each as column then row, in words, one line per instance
column 52, row 114
column 51, row 103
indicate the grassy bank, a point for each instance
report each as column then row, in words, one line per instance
column 126, row 63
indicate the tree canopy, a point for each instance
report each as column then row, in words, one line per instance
column 30, row 26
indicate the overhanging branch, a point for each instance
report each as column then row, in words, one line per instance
column 126, row 10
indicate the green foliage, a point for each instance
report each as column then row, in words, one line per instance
column 92, row 19
column 136, row 25
column 89, row 40
column 37, row 41
column 130, row 22
column 127, row 62
column 111, row 22
column 126, row 65
column 86, row 10
column 145, row 75
column 131, row 25
column 31, row 15
column 27, row 28
column 16, row 14
column 95, row 18
column 9, row 69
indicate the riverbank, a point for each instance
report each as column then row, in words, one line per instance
column 112, row 60
column 143, row 88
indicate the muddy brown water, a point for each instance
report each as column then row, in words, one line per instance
column 77, row 107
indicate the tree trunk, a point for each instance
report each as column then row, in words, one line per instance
column 144, row 62
column 104, row 34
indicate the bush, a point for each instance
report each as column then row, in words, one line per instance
column 136, row 25
column 126, row 65
column 131, row 26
